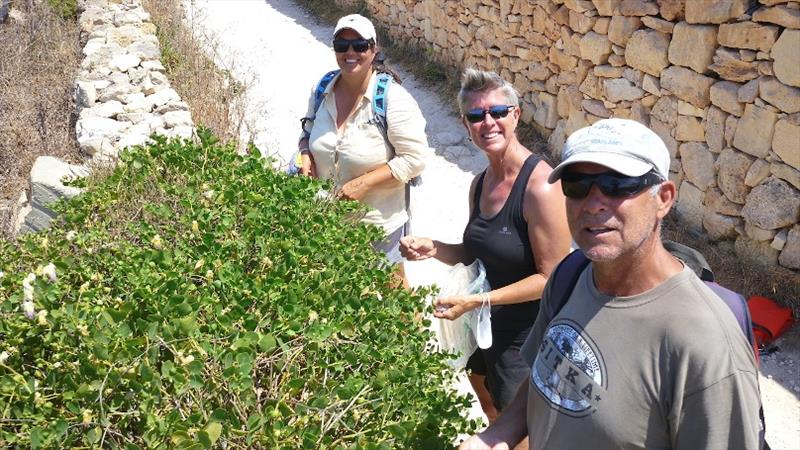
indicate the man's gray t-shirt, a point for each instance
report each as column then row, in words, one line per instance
column 668, row 368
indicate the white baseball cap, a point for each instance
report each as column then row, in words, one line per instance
column 625, row 146
column 357, row 23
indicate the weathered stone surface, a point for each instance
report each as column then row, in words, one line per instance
column 575, row 121
column 717, row 202
column 596, row 108
column 607, row 71
column 720, row 227
column 123, row 63
column 601, row 26
column 779, row 241
column 620, row 89
column 664, row 131
column 781, row 15
column 616, row 60
column 732, row 168
column 758, row 234
column 595, row 48
column 564, row 61
column 591, row 87
column 651, row 84
column 729, row 65
column 693, row 46
column 715, row 129
column 786, row 143
column 580, row 23
column 748, row 35
column 755, row 252
column 621, row 28
column 663, row 26
column 755, row 130
column 671, row 9
column 638, row 8
column 785, row 53
column 786, row 173
column 690, row 206
column 687, row 85
column 546, row 111
column 647, row 51
column 725, row 96
column 730, row 129
column 698, row 164
column 687, row 109
column 714, row 11
column 772, row 204
column 689, row 129
column 606, row 7
column 758, row 172
column 748, row 91
column 666, row 110
column 47, row 187
column 85, row 94
column 568, row 100
column 579, row 5
column 790, row 255
column 785, row 98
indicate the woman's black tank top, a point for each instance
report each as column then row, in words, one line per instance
column 502, row 243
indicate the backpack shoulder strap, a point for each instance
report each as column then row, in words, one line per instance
column 318, row 91
column 692, row 258
column 564, row 278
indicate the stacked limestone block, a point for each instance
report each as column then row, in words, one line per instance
column 718, row 82
column 122, row 94
column 122, row 97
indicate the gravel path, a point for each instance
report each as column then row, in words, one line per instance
column 281, row 51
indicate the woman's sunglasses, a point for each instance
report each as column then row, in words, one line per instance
column 496, row 111
column 359, row 45
column 611, row 184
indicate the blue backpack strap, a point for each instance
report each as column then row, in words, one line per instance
column 564, row 278
column 294, row 163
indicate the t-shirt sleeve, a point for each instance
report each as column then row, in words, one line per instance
column 406, row 132
column 723, row 415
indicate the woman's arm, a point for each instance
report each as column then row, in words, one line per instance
column 545, row 212
column 406, row 131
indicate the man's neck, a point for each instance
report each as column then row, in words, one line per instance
column 645, row 268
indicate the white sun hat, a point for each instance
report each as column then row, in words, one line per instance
column 357, row 23
column 625, row 146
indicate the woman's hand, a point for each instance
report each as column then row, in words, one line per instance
column 452, row 308
column 307, row 167
column 476, row 442
column 415, row 248
column 354, row 189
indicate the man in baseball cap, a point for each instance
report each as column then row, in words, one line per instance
column 621, row 364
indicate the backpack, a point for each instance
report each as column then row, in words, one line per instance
column 566, row 275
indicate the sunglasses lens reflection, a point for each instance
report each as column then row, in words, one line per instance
column 359, row 45
column 497, row 112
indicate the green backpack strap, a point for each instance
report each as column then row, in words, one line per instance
column 692, row 258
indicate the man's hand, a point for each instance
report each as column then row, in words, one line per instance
column 476, row 442
column 415, row 248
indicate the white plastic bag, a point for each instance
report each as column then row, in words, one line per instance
column 457, row 336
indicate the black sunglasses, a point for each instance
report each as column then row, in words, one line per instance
column 496, row 111
column 611, row 184
column 360, row 45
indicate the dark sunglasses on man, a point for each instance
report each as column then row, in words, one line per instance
column 497, row 111
column 612, row 184
column 359, row 45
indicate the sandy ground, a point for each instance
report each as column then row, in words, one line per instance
column 281, row 51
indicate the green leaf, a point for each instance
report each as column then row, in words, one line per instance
column 214, row 430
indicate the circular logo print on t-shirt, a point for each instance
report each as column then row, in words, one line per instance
column 568, row 370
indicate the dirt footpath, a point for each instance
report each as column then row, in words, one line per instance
column 281, row 52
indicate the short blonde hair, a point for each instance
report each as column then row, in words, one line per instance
column 474, row 80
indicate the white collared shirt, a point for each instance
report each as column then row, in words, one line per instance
column 360, row 148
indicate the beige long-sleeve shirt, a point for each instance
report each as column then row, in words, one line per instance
column 359, row 147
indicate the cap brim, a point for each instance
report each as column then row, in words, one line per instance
column 614, row 161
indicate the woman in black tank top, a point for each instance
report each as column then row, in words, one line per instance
column 517, row 227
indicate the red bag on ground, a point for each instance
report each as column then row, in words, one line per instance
column 769, row 319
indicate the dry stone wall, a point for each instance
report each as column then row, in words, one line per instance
column 122, row 96
column 718, row 80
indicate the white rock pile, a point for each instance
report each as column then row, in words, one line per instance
column 122, row 96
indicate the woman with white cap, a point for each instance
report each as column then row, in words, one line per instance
column 344, row 142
